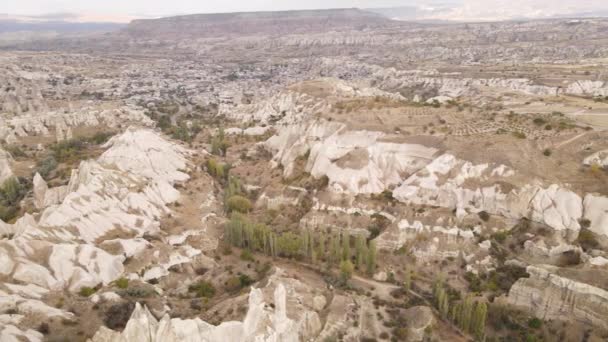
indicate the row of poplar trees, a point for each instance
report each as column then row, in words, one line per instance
column 312, row 246
column 467, row 314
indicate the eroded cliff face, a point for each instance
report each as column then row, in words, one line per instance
column 551, row 296
column 127, row 189
column 285, row 309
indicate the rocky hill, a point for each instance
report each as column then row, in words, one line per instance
column 257, row 23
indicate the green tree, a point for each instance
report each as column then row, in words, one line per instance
column 360, row 252
column 239, row 204
column 467, row 313
column 443, row 302
column 345, row 246
column 335, row 252
column 371, row 258
column 289, row 245
column 11, row 191
column 407, row 279
column 321, row 246
column 346, row 270
column 479, row 320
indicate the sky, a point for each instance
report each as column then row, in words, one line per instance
column 125, row 10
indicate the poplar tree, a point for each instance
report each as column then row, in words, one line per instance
column 479, row 320
column 371, row 258
column 466, row 314
column 361, row 252
column 407, row 279
column 345, row 246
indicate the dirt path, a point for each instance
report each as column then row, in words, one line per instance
column 570, row 140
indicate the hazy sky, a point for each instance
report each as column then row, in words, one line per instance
column 164, row 7
column 123, row 10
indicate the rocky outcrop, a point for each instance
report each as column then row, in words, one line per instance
column 443, row 183
column 596, row 211
column 598, row 158
column 285, row 108
column 355, row 162
column 548, row 295
column 62, row 122
column 125, row 191
column 260, row 324
column 588, row 88
column 5, row 166
column 43, row 196
column 253, row 24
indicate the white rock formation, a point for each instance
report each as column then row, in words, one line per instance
column 43, row 196
column 285, row 108
column 550, row 296
column 596, row 211
column 5, row 166
column 355, row 162
column 61, row 122
column 442, row 183
column 598, row 158
column 261, row 324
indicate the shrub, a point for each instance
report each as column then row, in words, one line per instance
column 245, row 280
column 246, row 255
column 87, row 291
column 44, row 328
column 233, row 284
column 539, row 121
column 100, row 138
column 122, row 283
column 138, row 292
column 519, row 135
column 15, row 151
column 587, row 240
column 11, row 192
column 239, row 204
column 118, row 315
column 535, row 323
column 346, row 270
column 46, row 166
column 68, row 150
column 202, row 289
column 484, row 215
column 7, row 213
column 547, row 152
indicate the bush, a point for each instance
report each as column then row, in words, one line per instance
column 7, row 213
column 87, row 291
column 44, row 329
column 15, row 151
column 137, row 292
column 100, row 138
column 519, row 135
column 239, row 204
column 535, row 323
column 233, row 284
column 202, row 289
column 46, row 166
column 68, row 150
column 539, row 121
column 11, row 192
column 122, row 283
column 587, row 240
column 547, row 152
column 484, row 216
column 346, row 270
column 118, row 315
column 246, row 255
